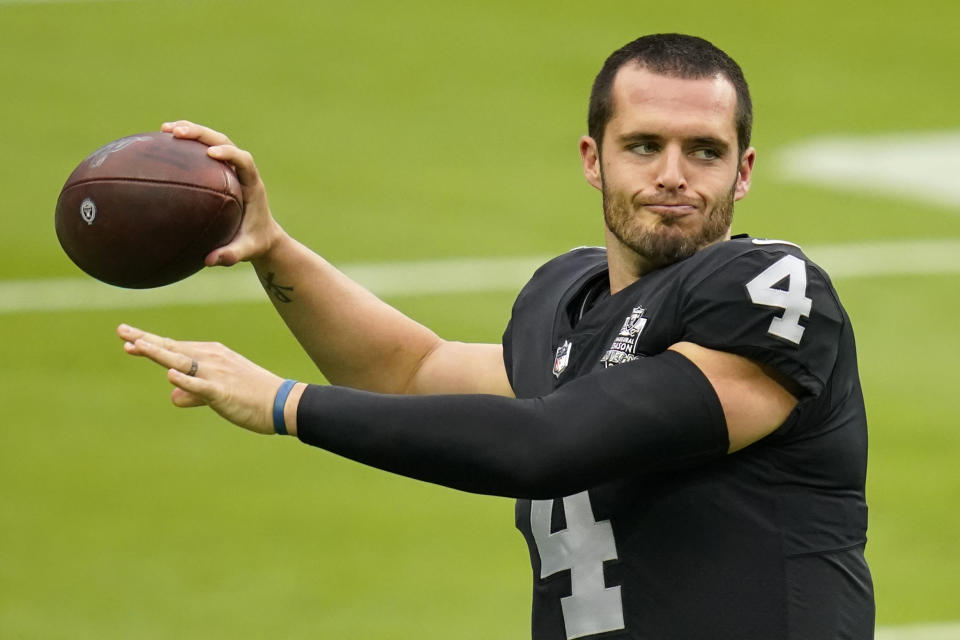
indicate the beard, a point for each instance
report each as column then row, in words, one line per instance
column 667, row 242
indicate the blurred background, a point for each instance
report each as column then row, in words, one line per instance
column 400, row 134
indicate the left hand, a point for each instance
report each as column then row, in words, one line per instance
column 237, row 389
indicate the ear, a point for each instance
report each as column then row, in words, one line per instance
column 744, row 172
column 590, row 157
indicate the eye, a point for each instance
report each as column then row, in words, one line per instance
column 706, row 153
column 644, row 148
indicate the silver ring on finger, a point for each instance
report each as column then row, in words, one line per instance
column 194, row 365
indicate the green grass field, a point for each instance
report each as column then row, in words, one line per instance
column 392, row 132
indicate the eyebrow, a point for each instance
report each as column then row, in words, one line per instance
column 709, row 141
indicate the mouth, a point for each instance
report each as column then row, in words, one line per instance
column 670, row 210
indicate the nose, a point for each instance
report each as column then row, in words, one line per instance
column 670, row 174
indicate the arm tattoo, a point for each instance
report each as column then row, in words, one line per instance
column 278, row 291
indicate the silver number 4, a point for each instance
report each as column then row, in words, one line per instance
column 581, row 548
column 793, row 300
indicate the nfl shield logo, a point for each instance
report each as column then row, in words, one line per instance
column 562, row 359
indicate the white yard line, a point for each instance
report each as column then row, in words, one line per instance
column 919, row 166
column 888, row 258
column 942, row 631
column 433, row 277
column 7, row 2
column 239, row 284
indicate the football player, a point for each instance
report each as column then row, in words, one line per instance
column 678, row 414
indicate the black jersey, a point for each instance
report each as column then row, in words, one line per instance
column 765, row 543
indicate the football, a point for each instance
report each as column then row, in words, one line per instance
column 143, row 211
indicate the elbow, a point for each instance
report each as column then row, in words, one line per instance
column 543, row 478
column 547, row 459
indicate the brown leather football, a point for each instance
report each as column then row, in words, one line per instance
column 144, row 211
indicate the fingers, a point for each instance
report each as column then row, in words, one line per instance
column 208, row 373
column 126, row 332
column 221, row 148
column 193, row 131
column 163, row 356
column 180, row 360
column 241, row 160
column 191, row 391
column 132, row 334
column 166, row 352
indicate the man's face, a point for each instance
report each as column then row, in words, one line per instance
column 668, row 167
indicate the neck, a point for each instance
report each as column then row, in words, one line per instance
column 626, row 266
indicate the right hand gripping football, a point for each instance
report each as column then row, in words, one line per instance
column 259, row 231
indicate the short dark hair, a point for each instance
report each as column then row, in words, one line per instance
column 676, row 55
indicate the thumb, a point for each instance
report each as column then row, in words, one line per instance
column 231, row 253
column 184, row 399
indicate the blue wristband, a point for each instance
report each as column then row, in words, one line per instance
column 279, row 402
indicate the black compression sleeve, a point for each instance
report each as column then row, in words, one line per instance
column 641, row 416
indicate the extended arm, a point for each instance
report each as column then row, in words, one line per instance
column 639, row 418
column 650, row 414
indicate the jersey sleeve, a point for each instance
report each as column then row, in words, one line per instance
column 772, row 305
column 593, row 430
